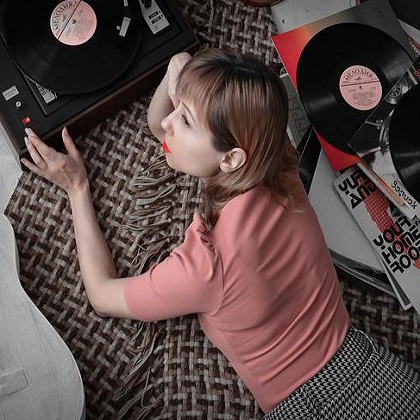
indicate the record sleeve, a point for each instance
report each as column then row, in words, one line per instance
column 334, row 116
column 393, row 237
column 73, row 46
column 388, row 143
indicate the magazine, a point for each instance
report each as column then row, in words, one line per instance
column 349, row 247
column 393, row 236
column 372, row 144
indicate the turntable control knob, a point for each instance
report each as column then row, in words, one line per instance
column 18, row 104
column 26, row 120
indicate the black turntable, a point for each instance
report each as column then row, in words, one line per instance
column 76, row 62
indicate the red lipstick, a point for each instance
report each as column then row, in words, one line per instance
column 165, row 147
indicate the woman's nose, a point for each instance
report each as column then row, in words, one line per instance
column 167, row 125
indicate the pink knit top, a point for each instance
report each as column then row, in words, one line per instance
column 264, row 288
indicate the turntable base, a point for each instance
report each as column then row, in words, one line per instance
column 24, row 103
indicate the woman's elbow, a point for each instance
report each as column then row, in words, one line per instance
column 101, row 302
column 100, row 309
column 108, row 300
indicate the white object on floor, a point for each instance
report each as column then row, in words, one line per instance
column 39, row 377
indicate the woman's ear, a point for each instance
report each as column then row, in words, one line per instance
column 233, row 160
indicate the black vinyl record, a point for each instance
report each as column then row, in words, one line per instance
column 73, row 46
column 404, row 140
column 337, row 59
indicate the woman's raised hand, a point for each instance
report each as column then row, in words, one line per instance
column 66, row 170
column 175, row 65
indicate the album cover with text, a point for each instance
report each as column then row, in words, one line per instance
column 393, row 236
column 342, row 66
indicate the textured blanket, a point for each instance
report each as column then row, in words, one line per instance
column 163, row 370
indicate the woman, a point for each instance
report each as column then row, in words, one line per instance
column 254, row 266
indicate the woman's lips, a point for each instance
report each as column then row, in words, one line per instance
column 165, row 147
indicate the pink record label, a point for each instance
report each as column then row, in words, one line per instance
column 73, row 22
column 360, row 87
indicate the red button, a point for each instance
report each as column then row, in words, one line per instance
column 26, row 120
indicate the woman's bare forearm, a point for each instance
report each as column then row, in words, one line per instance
column 160, row 106
column 164, row 99
column 95, row 259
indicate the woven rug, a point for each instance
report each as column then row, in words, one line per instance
column 164, row 370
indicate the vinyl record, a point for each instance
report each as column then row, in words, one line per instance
column 343, row 73
column 404, row 140
column 73, row 46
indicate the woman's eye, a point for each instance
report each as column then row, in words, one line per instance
column 185, row 120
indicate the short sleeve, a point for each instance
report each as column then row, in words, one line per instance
column 189, row 280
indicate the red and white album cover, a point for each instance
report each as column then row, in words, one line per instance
column 388, row 143
column 393, row 236
column 342, row 66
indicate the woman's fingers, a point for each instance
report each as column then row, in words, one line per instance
column 39, row 151
column 35, row 153
column 44, row 158
column 69, row 143
column 66, row 170
column 31, row 166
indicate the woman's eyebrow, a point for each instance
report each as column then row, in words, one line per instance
column 188, row 110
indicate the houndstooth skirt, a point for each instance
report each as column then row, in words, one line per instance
column 362, row 381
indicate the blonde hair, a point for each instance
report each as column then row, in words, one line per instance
column 244, row 104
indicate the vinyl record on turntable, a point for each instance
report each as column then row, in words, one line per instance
column 343, row 73
column 404, row 140
column 73, row 46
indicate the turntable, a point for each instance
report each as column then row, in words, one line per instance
column 73, row 62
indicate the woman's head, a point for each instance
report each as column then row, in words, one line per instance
column 244, row 106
